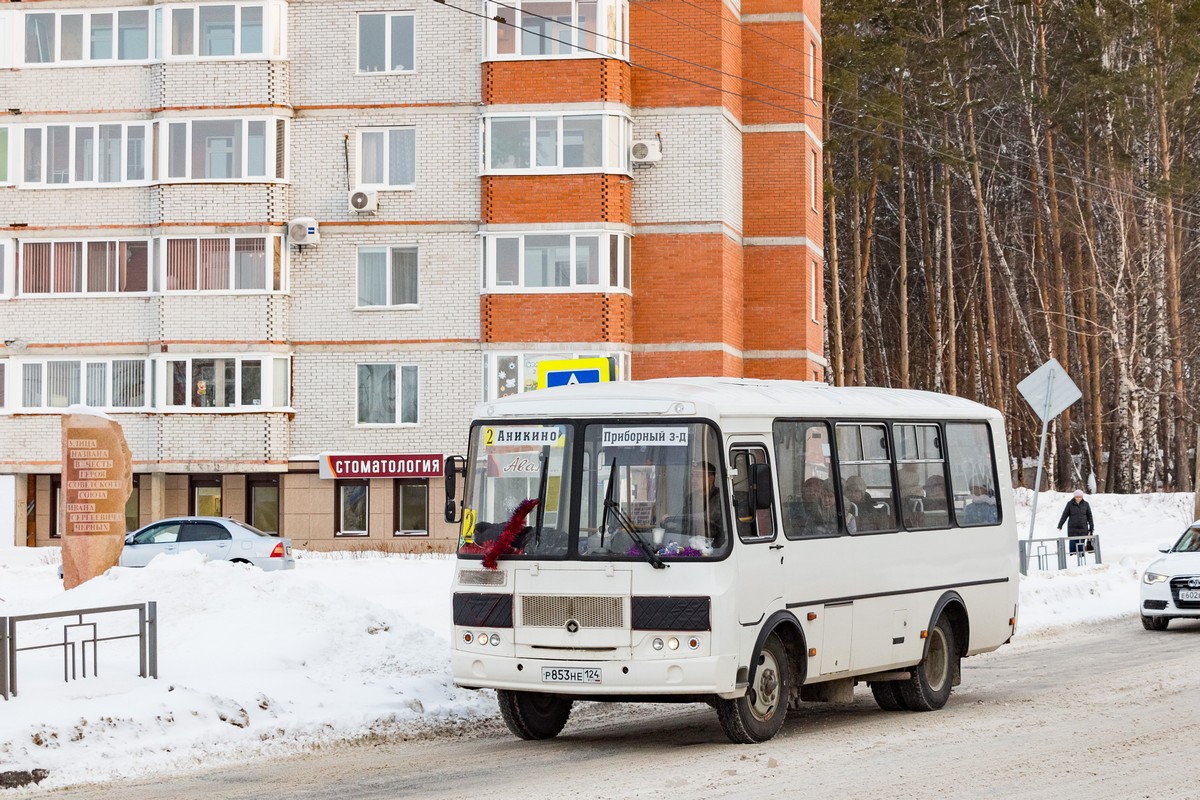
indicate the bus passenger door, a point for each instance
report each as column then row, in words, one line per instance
column 759, row 547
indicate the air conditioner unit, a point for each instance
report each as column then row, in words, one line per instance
column 362, row 200
column 645, row 150
column 302, row 231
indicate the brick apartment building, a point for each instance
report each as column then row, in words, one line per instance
column 259, row 233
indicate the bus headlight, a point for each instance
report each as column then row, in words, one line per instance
column 494, row 639
column 657, row 644
column 694, row 643
column 673, row 643
column 468, row 637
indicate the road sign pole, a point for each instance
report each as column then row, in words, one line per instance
column 1037, row 484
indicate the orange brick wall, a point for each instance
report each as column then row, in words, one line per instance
column 775, row 189
column 687, row 288
column 778, row 310
column 777, row 73
column 558, row 81
column 666, row 364
column 708, row 67
column 556, row 198
column 556, row 318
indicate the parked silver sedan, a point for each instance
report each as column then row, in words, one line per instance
column 219, row 538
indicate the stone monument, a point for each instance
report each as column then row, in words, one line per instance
column 97, row 480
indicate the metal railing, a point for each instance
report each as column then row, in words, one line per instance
column 1058, row 552
column 75, row 651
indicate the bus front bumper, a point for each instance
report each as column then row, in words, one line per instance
column 679, row 676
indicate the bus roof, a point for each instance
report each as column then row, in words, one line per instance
column 723, row 397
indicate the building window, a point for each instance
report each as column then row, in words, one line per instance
column 204, row 496
column 385, row 43
column 815, row 291
column 509, row 374
column 238, row 264
column 111, row 383
column 594, row 261
column 352, row 504
column 387, row 158
column 233, row 30
column 222, row 149
column 812, row 70
column 387, row 276
column 412, row 507
column 551, row 143
column 133, row 505
column 231, row 383
column 388, row 394
column 814, row 179
column 262, row 502
column 7, row 280
column 557, row 29
column 2, row 385
column 3, row 155
column 216, row 31
column 86, row 155
column 56, row 509
column 91, row 267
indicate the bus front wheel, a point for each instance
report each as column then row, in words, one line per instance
column 534, row 715
column 759, row 714
column 929, row 687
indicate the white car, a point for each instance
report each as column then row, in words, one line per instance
column 1171, row 585
column 219, row 538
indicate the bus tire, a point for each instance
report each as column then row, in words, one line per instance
column 534, row 715
column 929, row 687
column 888, row 695
column 758, row 715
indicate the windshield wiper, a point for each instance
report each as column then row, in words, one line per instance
column 650, row 553
column 608, row 498
column 541, row 517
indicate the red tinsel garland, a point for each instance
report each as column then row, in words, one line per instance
column 502, row 544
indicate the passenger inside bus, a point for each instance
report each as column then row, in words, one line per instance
column 862, row 513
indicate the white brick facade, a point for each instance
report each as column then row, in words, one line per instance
column 324, row 102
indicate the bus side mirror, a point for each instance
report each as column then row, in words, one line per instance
column 455, row 465
column 764, row 494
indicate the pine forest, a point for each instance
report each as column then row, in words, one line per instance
column 1009, row 182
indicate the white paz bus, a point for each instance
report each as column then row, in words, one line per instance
column 747, row 544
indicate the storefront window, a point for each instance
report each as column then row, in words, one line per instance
column 205, row 497
column 351, row 513
column 412, row 508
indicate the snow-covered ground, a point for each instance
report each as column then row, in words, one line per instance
column 349, row 645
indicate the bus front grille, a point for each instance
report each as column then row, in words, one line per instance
column 553, row 611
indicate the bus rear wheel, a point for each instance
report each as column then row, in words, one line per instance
column 534, row 715
column 888, row 695
column 929, row 687
column 759, row 714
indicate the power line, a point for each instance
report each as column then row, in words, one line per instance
column 946, row 154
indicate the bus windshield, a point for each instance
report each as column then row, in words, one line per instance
column 649, row 492
column 507, row 465
column 655, row 488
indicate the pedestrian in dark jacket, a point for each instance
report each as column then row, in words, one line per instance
column 1078, row 516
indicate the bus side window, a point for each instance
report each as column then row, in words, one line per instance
column 753, row 494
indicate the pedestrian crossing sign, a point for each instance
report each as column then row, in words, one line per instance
column 570, row 371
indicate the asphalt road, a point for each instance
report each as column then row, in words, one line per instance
column 1101, row 711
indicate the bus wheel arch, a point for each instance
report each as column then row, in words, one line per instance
column 928, row 688
column 952, row 606
column 774, row 675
